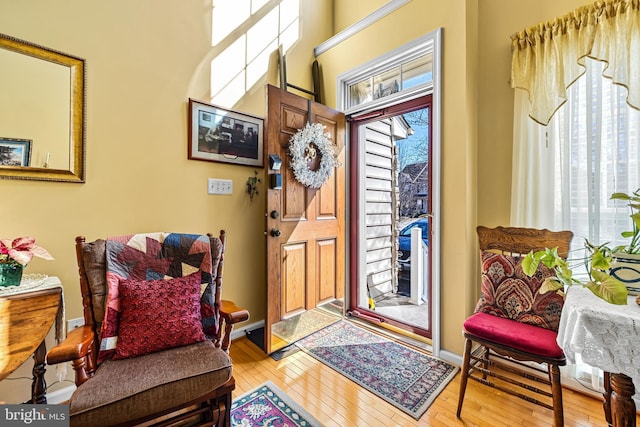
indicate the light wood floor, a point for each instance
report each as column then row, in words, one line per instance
column 337, row 401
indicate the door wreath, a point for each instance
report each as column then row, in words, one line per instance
column 308, row 143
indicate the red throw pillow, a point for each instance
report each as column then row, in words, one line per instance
column 508, row 292
column 158, row 314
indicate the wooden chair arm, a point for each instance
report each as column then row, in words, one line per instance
column 230, row 312
column 77, row 345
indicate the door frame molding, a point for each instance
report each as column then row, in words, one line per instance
column 429, row 42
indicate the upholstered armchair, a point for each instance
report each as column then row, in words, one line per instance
column 149, row 351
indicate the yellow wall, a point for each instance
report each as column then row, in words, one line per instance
column 145, row 58
column 347, row 13
column 498, row 19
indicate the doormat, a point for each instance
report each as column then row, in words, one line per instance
column 292, row 329
column 256, row 336
column 267, row 405
column 406, row 378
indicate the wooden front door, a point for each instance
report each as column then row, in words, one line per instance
column 305, row 226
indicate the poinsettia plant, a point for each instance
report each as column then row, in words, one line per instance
column 21, row 251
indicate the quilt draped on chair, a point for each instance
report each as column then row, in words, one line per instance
column 153, row 256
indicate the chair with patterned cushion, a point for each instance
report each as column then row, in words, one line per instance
column 149, row 349
column 510, row 340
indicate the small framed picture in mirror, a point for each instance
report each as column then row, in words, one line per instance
column 15, row 152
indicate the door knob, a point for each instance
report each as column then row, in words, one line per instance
column 275, row 232
column 275, row 214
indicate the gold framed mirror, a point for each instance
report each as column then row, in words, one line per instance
column 42, row 113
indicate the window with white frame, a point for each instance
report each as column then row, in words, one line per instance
column 596, row 140
column 403, row 74
column 398, row 78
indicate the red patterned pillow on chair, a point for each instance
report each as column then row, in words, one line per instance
column 158, row 314
column 509, row 293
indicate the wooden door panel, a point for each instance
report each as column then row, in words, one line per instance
column 293, row 118
column 326, row 256
column 327, row 200
column 294, row 203
column 307, row 254
column 294, row 274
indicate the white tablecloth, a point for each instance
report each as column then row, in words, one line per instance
column 606, row 335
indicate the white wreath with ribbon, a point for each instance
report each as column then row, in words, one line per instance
column 307, row 144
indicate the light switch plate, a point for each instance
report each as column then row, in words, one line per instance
column 219, row 186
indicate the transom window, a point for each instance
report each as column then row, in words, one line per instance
column 397, row 79
column 398, row 76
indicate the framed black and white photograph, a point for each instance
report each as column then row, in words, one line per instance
column 220, row 135
column 15, row 152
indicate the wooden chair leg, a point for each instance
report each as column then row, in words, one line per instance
column 556, row 391
column 464, row 375
column 485, row 363
column 606, row 405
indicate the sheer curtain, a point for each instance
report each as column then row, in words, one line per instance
column 564, row 173
column 576, row 120
column 577, row 128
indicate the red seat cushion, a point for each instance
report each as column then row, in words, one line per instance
column 521, row 336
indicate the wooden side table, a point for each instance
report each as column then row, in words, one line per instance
column 26, row 316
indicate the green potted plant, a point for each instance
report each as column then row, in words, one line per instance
column 597, row 279
column 252, row 185
column 604, row 266
column 626, row 258
column 633, row 201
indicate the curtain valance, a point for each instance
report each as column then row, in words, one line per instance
column 548, row 57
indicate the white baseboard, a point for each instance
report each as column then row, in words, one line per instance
column 454, row 358
column 61, row 395
column 242, row 331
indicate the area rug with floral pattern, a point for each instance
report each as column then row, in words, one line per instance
column 406, row 378
column 268, row 406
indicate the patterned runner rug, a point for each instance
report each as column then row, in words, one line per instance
column 408, row 379
column 267, row 405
